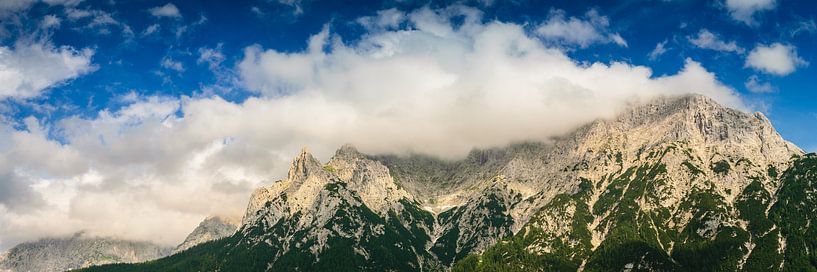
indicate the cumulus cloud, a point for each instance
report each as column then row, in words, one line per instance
column 591, row 29
column 153, row 169
column 708, row 40
column 168, row 10
column 745, row 10
column 777, row 59
column 27, row 69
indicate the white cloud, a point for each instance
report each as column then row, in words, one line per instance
column 27, row 69
column 50, row 21
column 211, row 56
column 153, row 169
column 660, row 49
column 777, row 59
column 708, row 40
column 180, row 31
column 15, row 7
column 756, row 86
column 257, row 11
column 617, row 39
column 11, row 7
column 99, row 19
column 805, row 26
column 76, row 14
column 150, row 30
column 744, row 10
column 67, row 3
column 171, row 64
column 202, row 19
column 385, row 19
column 103, row 19
column 592, row 29
column 168, row 10
column 296, row 5
column 127, row 32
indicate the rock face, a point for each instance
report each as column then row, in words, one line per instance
column 348, row 212
column 676, row 184
column 212, row 228
column 679, row 183
column 76, row 252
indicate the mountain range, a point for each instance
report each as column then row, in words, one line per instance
column 83, row 250
column 672, row 184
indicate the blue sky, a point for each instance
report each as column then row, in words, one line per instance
column 132, row 103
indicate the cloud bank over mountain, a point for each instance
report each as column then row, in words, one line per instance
column 437, row 81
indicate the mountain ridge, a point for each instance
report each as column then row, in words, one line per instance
column 77, row 251
column 82, row 250
column 677, row 183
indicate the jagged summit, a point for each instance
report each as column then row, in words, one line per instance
column 348, row 151
column 308, row 178
column 304, row 165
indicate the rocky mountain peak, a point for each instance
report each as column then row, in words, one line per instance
column 694, row 120
column 304, row 165
column 692, row 128
column 369, row 178
column 306, row 178
column 348, row 151
column 211, row 228
column 696, row 116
